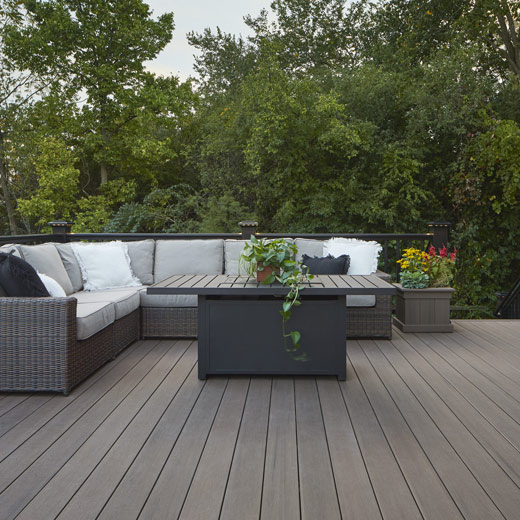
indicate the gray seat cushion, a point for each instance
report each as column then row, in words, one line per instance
column 46, row 259
column 141, row 255
column 93, row 317
column 71, row 265
column 125, row 300
column 187, row 257
column 361, row 300
column 168, row 300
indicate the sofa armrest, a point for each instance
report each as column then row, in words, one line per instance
column 37, row 340
column 24, row 318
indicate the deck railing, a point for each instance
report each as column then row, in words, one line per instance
column 393, row 243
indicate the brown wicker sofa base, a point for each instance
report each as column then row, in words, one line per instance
column 39, row 350
column 169, row 322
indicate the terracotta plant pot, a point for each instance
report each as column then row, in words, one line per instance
column 262, row 275
column 423, row 310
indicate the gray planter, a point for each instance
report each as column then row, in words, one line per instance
column 423, row 310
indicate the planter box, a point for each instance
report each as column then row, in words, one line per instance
column 423, row 310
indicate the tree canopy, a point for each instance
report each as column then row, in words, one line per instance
column 332, row 116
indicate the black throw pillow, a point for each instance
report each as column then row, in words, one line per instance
column 18, row 278
column 327, row 264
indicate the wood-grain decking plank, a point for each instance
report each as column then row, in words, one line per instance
column 428, row 489
column 505, row 454
column 11, row 401
column 206, row 493
column 171, row 487
column 95, row 491
column 489, row 346
column 391, row 489
column 18, row 413
column 495, row 333
column 465, row 490
column 27, row 476
column 355, row 494
column 478, row 378
column 473, row 393
column 243, row 497
column 318, row 496
column 498, row 485
column 76, row 402
column 131, row 493
column 84, row 452
column 20, row 455
column 426, row 426
column 463, row 347
column 280, row 497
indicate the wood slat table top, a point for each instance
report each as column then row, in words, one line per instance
column 244, row 285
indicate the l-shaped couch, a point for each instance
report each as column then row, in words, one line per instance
column 53, row 343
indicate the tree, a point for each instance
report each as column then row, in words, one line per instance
column 99, row 46
column 19, row 88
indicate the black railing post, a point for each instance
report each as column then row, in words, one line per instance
column 248, row 228
column 441, row 233
column 60, row 230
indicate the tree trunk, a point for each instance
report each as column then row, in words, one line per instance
column 103, row 165
column 103, row 172
column 4, row 185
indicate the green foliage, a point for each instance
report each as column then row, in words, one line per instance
column 278, row 254
column 222, row 214
column 333, row 116
column 415, row 280
column 57, row 174
column 171, row 210
column 95, row 211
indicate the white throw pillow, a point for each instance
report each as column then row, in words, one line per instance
column 363, row 254
column 52, row 286
column 104, row 265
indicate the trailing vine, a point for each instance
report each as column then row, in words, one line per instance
column 279, row 255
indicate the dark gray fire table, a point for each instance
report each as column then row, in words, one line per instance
column 240, row 326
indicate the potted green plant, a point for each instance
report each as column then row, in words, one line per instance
column 274, row 261
column 424, row 296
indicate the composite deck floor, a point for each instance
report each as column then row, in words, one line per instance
column 426, row 426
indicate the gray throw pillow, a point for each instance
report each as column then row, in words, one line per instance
column 46, row 259
column 71, row 265
column 141, row 255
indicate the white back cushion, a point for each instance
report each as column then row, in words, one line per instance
column 363, row 254
column 52, row 286
column 104, row 265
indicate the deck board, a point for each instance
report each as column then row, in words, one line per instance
column 427, row 426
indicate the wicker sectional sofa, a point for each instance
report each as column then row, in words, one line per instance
column 52, row 344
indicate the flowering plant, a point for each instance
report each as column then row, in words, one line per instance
column 422, row 269
column 440, row 266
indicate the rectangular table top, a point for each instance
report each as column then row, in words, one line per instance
column 224, row 284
